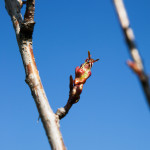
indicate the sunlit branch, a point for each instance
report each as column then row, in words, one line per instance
column 24, row 30
column 136, row 65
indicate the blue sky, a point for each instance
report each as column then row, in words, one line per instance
column 112, row 112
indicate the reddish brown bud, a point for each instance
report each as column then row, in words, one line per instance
column 134, row 67
column 83, row 72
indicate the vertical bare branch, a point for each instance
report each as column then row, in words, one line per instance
column 137, row 64
column 24, row 30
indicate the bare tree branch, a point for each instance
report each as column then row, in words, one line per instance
column 30, row 8
column 13, row 8
column 82, row 73
column 137, row 64
column 24, row 30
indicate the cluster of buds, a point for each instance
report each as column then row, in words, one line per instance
column 82, row 73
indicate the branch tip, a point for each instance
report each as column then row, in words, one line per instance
column 82, row 73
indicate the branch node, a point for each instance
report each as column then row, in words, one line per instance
column 61, row 112
column 26, row 30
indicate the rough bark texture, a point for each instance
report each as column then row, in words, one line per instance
column 137, row 64
column 24, row 30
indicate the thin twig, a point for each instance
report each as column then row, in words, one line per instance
column 82, row 73
column 74, row 96
column 137, row 64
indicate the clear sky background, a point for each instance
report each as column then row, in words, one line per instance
column 112, row 113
